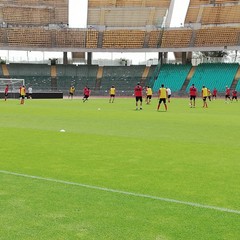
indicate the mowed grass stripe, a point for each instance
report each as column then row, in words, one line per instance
column 123, row 192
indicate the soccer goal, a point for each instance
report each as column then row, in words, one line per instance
column 13, row 84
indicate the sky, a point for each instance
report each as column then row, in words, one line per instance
column 179, row 13
column 77, row 19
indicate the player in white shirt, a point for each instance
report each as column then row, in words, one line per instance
column 169, row 92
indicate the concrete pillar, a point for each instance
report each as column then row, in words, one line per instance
column 160, row 57
column 65, row 59
column 89, row 58
column 184, row 57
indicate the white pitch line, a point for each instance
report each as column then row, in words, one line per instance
column 198, row 205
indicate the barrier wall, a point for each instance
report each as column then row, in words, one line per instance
column 40, row 95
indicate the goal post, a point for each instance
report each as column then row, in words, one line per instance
column 13, row 84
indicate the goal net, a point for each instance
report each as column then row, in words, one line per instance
column 13, row 84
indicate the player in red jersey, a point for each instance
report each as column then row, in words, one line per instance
column 227, row 94
column 193, row 95
column 214, row 94
column 86, row 93
column 138, row 95
column 234, row 95
column 6, row 92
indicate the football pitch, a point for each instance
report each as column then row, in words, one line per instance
column 98, row 170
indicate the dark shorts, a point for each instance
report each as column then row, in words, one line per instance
column 162, row 100
column 22, row 96
column 112, row 95
column 234, row 97
column 139, row 99
column 86, row 96
column 71, row 93
column 6, row 94
column 192, row 97
column 169, row 96
column 214, row 95
column 204, row 99
column 149, row 96
column 227, row 96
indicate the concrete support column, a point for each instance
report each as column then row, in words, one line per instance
column 184, row 57
column 89, row 58
column 160, row 57
column 65, row 59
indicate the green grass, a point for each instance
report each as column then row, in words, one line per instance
column 186, row 154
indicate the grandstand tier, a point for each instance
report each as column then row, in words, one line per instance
column 214, row 75
column 37, row 12
column 119, row 25
column 217, row 36
column 175, row 76
column 172, row 76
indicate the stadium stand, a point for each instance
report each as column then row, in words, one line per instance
column 27, row 15
column 38, row 83
column 214, row 75
column 133, row 17
column 172, row 76
column 123, row 39
column 71, row 37
column 5, row 72
column 77, row 71
column 236, row 79
column 238, row 85
column 213, row 12
column 192, row 15
column 125, row 13
column 37, row 75
column 53, row 71
column 221, row 14
column 217, row 36
column 128, row 3
column 154, row 39
column 79, row 76
column 34, row 12
column 26, row 69
column 226, row 1
column 2, row 37
column 123, row 78
column 29, row 37
column 1, row 71
column 176, row 38
column 92, row 39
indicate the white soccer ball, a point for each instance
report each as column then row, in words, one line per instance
column 99, row 109
column 62, row 130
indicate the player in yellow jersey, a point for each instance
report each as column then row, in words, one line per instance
column 71, row 92
column 149, row 94
column 162, row 97
column 204, row 96
column 209, row 95
column 22, row 92
column 112, row 93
